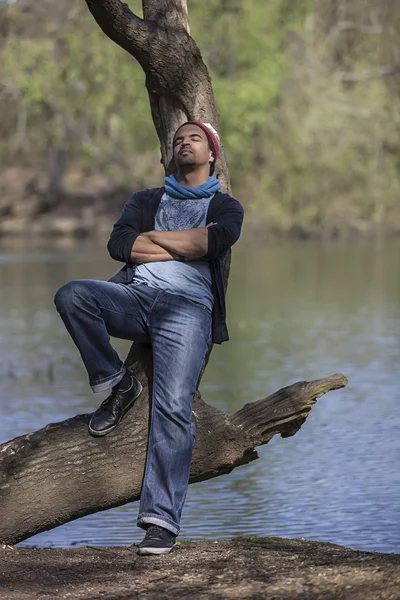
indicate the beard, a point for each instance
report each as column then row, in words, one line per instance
column 188, row 160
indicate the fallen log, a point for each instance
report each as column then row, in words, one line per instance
column 61, row 473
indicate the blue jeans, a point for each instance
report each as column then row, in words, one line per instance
column 180, row 333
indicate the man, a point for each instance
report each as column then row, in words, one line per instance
column 170, row 293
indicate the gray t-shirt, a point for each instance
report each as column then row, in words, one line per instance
column 189, row 279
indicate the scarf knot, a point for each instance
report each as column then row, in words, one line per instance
column 181, row 192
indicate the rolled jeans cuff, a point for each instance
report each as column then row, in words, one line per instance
column 157, row 520
column 108, row 382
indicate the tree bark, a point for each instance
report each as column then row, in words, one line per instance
column 61, row 473
column 177, row 79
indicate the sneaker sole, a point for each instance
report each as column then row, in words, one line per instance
column 110, row 429
column 148, row 551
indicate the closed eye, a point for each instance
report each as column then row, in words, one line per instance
column 194, row 136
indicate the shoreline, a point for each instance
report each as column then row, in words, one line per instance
column 244, row 567
column 72, row 230
column 89, row 212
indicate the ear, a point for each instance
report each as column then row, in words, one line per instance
column 211, row 157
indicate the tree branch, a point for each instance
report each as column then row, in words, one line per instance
column 262, row 419
column 172, row 14
column 61, row 473
column 121, row 25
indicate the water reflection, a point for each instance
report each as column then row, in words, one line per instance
column 296, row 311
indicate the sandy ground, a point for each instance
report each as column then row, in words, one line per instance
column 270, row 568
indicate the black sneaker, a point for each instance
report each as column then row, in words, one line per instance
column 111, row 411
column 157, row 541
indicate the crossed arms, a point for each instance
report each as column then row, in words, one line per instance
column 154, row 246
column 130, row 242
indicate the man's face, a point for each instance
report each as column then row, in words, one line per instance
column 191, row 147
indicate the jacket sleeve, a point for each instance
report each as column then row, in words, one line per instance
column 126, row 230
column 226, row 231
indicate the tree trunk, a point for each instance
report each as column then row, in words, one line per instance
column 177, row 79
column 61, row 473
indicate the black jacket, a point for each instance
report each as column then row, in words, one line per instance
column 138, row 216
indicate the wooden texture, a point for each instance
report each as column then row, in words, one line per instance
column 61, row 473
column 177, row 79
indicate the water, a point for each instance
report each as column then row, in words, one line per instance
column 296, row 311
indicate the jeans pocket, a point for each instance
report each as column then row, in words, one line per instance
column 198, row 305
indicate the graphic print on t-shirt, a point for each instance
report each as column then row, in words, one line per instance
column 174, row 215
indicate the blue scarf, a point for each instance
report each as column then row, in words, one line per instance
column 175, row 190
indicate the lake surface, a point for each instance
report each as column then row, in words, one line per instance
column 296, row 311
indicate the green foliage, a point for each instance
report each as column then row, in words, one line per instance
column 304, row 148
column 79, row 90
column 241, row 42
